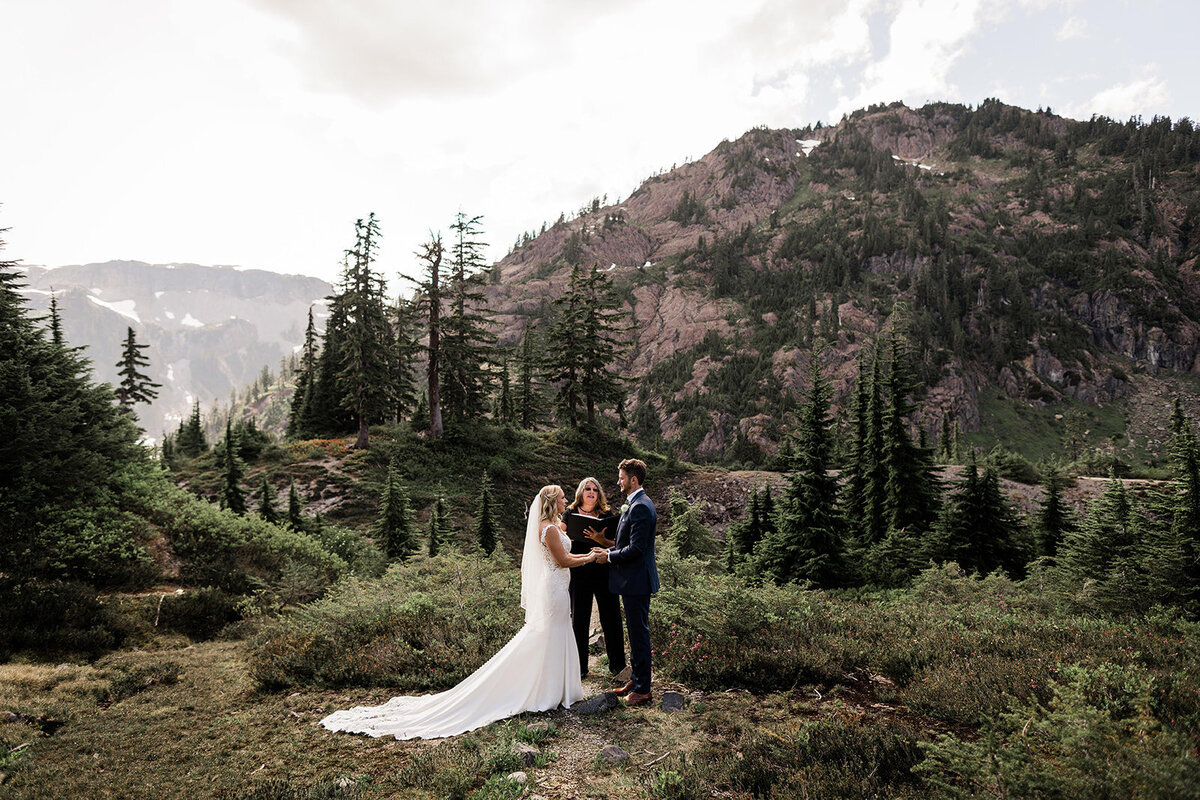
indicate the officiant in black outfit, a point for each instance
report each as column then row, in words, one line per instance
column 591, row 580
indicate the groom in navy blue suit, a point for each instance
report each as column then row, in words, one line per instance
column 634, row 574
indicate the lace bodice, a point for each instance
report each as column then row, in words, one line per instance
column 562, row 537
column 560, row 577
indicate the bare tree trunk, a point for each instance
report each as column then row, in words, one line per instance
column 435, row 301
column 361, row 443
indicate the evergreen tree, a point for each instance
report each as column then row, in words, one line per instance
column 406, row 319
column 604, row 341
column 295, row 510
column 135, row 386
column 977, row 528
column 689, row 536
column 486, row 528
column 233, row 496
column 586, row 340
column 56, row 331
column 266, row 502
column 1105, row 537
column 564, row 349
column 322, row 411
column 505, row 408
column 1185, row 457
column 365, row 372
column 807, row 544
column 393, row 528
column 528, row 401
column 440, row 530
column 912, row 491
column 190, row 440
column 420, row 415
column 946, row 440
column 305, row 378
column 1054, row 519
column 466, row 339
column 743, row 536
column 64, row 438
column 862, row 457
column 429, row 298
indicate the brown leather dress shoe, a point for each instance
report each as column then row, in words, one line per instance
column 635, row 699
column 624, row 690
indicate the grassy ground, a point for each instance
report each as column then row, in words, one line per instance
column 865, row 686
column 187, row 721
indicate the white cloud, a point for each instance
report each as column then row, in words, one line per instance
column 925, row 38
column 1141, row 97
column 1073, row 28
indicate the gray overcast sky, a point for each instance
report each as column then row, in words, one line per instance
column 254, row 132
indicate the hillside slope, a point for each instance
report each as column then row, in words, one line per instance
column 1036, row 265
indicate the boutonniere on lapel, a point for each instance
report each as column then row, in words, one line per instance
column 624, row 509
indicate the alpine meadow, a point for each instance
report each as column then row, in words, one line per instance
column 917, row 394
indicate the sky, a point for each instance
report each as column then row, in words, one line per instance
column 254, row 132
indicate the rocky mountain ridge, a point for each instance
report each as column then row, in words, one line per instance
column 1052, row 259
column 210, row 330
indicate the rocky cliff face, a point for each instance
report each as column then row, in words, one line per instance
column 1030, row 253
column 210, row 330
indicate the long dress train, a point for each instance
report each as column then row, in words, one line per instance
column 536, row 671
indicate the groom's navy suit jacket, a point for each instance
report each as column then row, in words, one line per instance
column 633, row 569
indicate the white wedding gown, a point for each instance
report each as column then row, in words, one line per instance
column 536, row 671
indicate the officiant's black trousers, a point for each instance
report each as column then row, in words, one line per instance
column 588, row 581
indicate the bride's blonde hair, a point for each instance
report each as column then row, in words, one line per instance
column 548, row 505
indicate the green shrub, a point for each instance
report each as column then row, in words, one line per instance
column 53, row 617
column 956, row 648
column 1013, row 466
column 1097, row 736
column 427, row 624
column 199, row 613
column 363, row 556
column 237, row 554
column 835, row 756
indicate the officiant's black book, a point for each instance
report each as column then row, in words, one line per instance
column 578, row 522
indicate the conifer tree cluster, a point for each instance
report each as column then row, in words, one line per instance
column 65, row 438
column 362, row 368
column 586, row 340
column 1132, row 553
column 884, row 520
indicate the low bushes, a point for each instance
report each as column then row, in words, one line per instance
column 956, row 648
column 242, row 553
column 424, row 625
column 199, row 613
column 55, row 617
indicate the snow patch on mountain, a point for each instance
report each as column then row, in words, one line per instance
column 126, row 308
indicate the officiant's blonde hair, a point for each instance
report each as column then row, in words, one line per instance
column 548, row 502
column 601, row 504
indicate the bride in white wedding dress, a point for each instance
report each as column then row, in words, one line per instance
column 536, row 671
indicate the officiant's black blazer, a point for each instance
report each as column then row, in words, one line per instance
column 633, row 568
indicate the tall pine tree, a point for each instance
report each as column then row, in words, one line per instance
column 365, row 373
column 393, row 529
column 266, row 502
column 233, row 496
column 486, row 529
column 304, row 379
column 467, row 338
column 430, row 296
column 135, row 386
column 807, row 542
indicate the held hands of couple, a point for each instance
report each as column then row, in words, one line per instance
column 599, row 555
